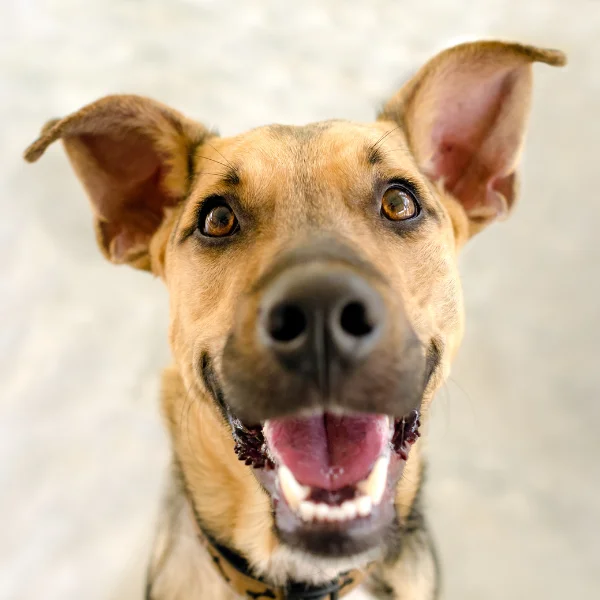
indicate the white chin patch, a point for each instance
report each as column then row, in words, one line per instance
column 287, row 563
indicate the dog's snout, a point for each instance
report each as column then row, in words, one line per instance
column 320, row 319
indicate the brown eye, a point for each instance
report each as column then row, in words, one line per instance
column 399, row 205
column 219, row 221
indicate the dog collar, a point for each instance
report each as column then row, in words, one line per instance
column 236, row 572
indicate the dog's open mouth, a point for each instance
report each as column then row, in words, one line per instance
column 331, row 474
column 329, row 469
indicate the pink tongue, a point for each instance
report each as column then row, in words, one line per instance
column 328, row 451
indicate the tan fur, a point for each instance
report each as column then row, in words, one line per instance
column 292, row 180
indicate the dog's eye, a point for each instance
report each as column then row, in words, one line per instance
column 217, row 220
column 398, row 204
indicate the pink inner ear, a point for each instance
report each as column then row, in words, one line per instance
column 473, row 143
column 126, row 190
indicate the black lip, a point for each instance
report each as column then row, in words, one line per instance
column 335, row 543
column 211, row 383
column 248, row 441
column 433, row 359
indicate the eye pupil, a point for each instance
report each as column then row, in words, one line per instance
column 219, row 221
column 398, row 205
column 220, row 217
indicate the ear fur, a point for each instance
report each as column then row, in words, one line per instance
column 465, row 115
column 131, row 155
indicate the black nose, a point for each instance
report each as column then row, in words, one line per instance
column 321, row 320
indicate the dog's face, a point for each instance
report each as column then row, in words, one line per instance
column 315, row 302
column 314, row 295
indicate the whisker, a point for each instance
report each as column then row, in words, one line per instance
column 216, row 161
column 215, row 174
column 223, row 157
column 465, row 394
column 405, row 478
column 380, row 140
column 190, row 178
column 386, row 152
column 442, row 399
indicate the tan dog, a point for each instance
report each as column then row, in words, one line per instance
column 315, row 310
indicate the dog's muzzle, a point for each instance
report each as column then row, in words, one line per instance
column 322, row 379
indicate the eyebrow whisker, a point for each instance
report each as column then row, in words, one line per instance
column 386, row 152
column 223, row 157
column 215, row 174
column 216, row 161
column 373, row 148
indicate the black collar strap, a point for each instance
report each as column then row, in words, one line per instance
column 236, row 572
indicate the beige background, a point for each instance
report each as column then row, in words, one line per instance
column 514, row 484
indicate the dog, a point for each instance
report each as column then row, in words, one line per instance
column 315, row 309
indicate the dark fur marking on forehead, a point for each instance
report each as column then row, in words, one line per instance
column 374, row 155
column 232, row 176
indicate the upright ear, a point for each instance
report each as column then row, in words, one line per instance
column 132, row 155
column 465, row 114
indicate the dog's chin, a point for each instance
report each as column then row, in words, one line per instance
column 331, row 477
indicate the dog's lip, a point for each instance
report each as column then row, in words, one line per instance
column 315, row 506
column 345, row 522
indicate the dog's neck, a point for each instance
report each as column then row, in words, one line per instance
column 237, row 573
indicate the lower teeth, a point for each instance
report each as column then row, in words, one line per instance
column 349, row 510
column 250, row 447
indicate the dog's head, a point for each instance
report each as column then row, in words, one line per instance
column 315, row 301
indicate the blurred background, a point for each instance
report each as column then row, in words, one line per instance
column 514, row 483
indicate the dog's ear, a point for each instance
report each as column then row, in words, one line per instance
column 464, row 114
column 131, row 154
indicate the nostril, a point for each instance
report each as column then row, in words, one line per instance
column 286, row 323
column 355, row 321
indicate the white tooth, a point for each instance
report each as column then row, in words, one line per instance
column 363, row 506
column 335, row 514
column 293, row 491
column 391, row 426
column 349, row 509
column 322, row 511
column 374, row 484
column 307, row 511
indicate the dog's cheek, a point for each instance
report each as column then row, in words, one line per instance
column 435, row 303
